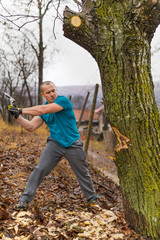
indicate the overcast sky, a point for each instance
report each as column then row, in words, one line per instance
column 73, row 65
column 155, row 59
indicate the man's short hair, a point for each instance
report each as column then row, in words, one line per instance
column 46, row 83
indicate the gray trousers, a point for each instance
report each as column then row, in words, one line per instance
column 50, row 157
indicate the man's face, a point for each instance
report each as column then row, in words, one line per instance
column 49, row 92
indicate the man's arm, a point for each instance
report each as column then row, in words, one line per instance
column 42, row 109
column 30, row 126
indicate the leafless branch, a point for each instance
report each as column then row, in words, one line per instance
column 57, row 16
column 79, row 4
column 13, row 18
column 46, row 9
column 34, row 20
column 30, row 2
column 155, row 51
column 31, row 43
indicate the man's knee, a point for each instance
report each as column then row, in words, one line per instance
column 41, row 170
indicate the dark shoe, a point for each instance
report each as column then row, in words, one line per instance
column 22, row 206
column 93, row 200
column 93, row 203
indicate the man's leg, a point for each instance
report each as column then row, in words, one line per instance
column 48, row 160
column 77, row 159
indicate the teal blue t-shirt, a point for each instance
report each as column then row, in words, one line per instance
column 62, row 124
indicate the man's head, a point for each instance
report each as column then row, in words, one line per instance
column 48, row 91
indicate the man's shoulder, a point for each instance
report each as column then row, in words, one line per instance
column 61, row 98
column 63, row 102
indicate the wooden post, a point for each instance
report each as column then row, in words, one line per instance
column 91, row 118
column 84, row 106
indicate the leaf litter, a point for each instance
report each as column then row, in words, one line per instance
column 59, row 210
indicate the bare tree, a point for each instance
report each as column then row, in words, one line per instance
column 39, row 48
column 18, row 71
column 27, row 65
column 35, row 12
column 9, row 80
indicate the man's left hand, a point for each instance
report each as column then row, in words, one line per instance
column 14, row 111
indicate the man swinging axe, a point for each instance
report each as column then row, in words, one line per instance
column 64, row 141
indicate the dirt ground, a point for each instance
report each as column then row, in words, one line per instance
column 59, row 210
column 103, row 161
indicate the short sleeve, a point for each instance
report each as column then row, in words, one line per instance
column 63, row 102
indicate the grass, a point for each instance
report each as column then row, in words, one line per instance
column 44, row 131
column 98, row 145
column 4, row 126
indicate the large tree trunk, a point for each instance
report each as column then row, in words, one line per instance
column 118, row 35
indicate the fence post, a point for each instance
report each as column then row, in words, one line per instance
column 84, row 106
column 91, row 118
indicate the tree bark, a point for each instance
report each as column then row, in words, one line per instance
column 118, row 35
column 43, row 7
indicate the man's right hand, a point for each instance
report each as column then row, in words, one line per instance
column 14, row 111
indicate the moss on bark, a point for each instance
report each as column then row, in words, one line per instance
column 118, row 35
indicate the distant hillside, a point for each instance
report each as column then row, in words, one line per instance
column 78, row 94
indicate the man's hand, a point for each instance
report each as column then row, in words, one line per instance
column 14, row 111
